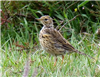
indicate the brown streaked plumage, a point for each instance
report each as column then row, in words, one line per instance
column 52, row 41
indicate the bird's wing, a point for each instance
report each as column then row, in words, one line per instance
column 58, row 39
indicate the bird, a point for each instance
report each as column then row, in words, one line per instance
column 52, row 41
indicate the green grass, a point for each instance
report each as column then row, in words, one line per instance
column 73, row 65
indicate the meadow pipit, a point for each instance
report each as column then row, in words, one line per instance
column 52, row 41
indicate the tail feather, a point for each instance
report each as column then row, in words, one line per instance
column 83, row 54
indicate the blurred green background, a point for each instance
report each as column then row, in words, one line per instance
column 19, row 35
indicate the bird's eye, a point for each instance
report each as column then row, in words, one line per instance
column 46, row 19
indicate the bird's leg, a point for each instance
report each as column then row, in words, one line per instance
column 55, row 61
column 62, row 59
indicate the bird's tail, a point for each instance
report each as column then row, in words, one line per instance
column 83, row 54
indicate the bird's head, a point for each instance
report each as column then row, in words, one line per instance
column 46, row 20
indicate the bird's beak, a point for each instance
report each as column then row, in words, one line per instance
column 38, row 19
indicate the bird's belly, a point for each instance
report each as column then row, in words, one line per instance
column 50, row 47
column 47, row 46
